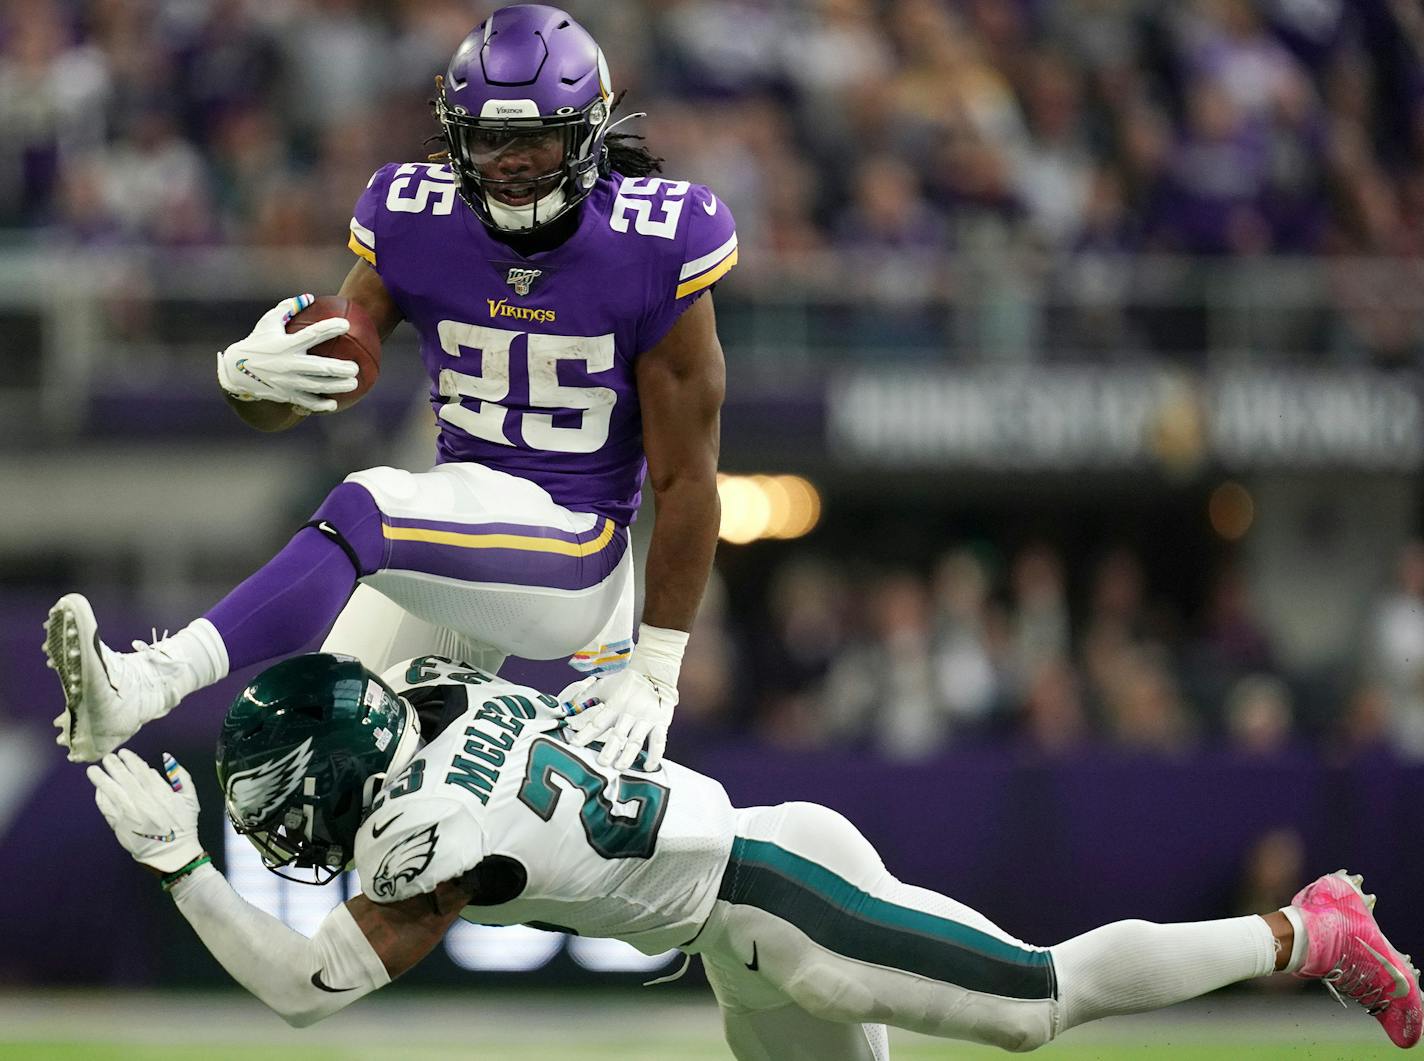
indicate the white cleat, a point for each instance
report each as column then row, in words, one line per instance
column 108, row 695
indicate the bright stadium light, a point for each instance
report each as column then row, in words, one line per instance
column 778, row 503
column 502, row 949
column 300, row 907
column 614, row 956
column 745, row 509
column 766, row 506
column 803, row 504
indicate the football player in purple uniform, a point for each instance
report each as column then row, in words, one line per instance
column 562, row 295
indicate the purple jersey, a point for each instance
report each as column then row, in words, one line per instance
column 531, row 359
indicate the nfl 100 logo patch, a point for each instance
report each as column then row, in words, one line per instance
column 522, row 279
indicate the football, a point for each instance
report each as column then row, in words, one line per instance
column 361, row 344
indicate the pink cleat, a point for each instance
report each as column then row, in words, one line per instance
column 1346, row 949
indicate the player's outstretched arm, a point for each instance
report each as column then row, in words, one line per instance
column 358, row 948
column 681, row 383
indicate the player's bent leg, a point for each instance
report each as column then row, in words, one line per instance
column 297, row 595
column 610, row 648
column 379, row 632
column 283, row 606
column 493, row 557
column 807, row 905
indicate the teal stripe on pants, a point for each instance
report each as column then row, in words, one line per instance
column 840, row 917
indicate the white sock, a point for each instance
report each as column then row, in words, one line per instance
column 1301, row 941
column 199, row 647
column 1132, row 966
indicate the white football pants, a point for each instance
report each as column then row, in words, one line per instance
column 813, row 946
column 480, row 565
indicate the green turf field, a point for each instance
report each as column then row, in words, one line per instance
column 1221, row 1051
column 617, row 1026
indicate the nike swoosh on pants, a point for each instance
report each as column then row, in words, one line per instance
column 317, row 982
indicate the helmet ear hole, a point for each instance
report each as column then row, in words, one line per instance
column 373, row 784
column 343, row 803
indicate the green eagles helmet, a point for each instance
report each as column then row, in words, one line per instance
column 303, row 751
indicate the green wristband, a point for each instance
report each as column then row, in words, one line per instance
column 173, row 878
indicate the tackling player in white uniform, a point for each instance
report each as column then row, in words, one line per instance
column 810, row 945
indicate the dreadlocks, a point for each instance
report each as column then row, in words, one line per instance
column 624, row 152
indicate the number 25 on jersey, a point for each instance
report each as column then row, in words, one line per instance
column 479, row 404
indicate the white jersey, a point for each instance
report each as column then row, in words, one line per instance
column 499, row 799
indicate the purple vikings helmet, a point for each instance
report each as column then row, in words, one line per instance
column 525, row 106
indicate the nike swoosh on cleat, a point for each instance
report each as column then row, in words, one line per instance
column 317, row 983
column 1401, row 982
column 98, row 651
column 753, row 965
column 377, row 830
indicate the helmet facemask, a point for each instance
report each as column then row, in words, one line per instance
column 477, row 145
column 316, row 843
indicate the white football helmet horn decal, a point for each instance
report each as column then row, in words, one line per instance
column 252, row 795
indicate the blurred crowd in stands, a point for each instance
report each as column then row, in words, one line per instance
column 1038, row 148
column 1041, row 144
column 992, row 648
column 899, row 128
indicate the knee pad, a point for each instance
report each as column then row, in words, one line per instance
column 1014, row 1027
column 350, row 518
column 830, row 991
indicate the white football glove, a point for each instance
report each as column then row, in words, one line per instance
column 635, row 705
column 155, row 818
column 272, row 365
